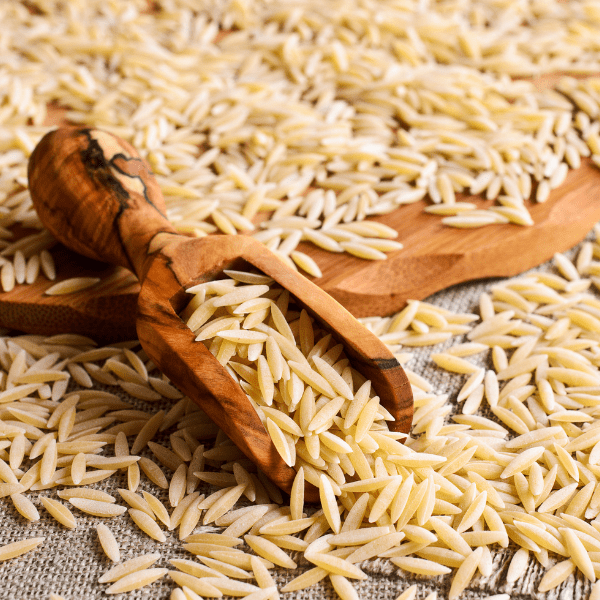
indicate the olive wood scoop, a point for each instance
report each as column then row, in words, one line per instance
column 99, row 198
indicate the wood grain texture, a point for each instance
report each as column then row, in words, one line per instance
column 434, row 257
column 97, row 196
column 106, row 312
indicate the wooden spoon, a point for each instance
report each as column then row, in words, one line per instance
column 98, row 197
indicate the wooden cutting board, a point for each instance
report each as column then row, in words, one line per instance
column 434, row 257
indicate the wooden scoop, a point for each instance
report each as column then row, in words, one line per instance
column 98, row 197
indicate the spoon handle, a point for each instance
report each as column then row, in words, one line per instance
column 98, row 197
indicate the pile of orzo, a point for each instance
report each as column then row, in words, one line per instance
column 309, row 117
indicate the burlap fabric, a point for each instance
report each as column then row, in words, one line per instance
column 69, row 563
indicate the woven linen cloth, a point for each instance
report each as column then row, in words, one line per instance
column 69, row 562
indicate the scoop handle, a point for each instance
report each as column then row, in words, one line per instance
column 98, row 197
